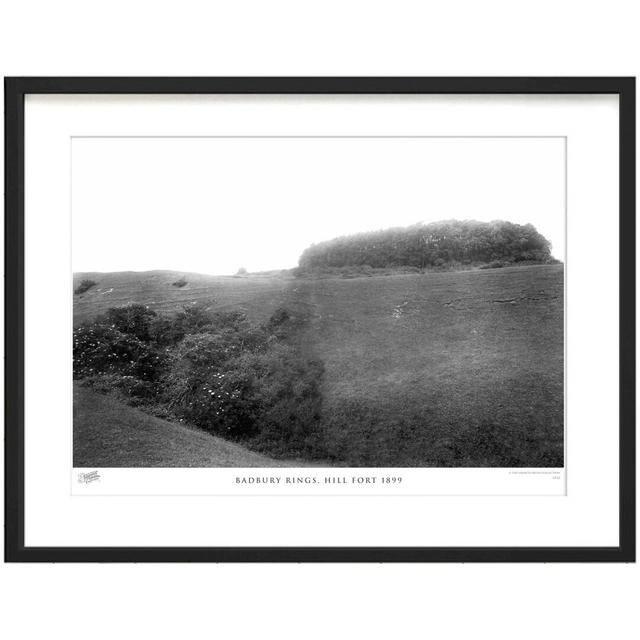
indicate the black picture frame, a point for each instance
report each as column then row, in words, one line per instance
column 15, row 91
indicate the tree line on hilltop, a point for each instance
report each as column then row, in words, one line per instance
column 437, row 244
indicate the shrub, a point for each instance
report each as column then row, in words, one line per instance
column 134, row 319
column 84, row 286
column 192, row 318
column 283, row 322
column 243, row 384
column 100, row 348
column 214, row 370
column 203, row 387
column 286, row 397
column 180, row 283
column 129, row 387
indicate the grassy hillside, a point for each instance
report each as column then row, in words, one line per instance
column 254, row 294
column 107, row 433
column 465, row 366
column 445, row 369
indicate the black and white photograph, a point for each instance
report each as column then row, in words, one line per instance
column 318, row 301
column 321, row 319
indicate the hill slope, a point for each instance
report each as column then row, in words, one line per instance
column 255, row 294
column 107, row 433
column 464, row 366
column 440, row 369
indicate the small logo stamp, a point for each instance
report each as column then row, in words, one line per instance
column 87, row 478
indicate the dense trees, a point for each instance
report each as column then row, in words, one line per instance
column 431, row 245
column 214, row 370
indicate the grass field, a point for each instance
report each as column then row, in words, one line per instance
column 439, row 369
column 257, row 295
column 107, row 433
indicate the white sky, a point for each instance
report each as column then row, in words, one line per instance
column 212, row 205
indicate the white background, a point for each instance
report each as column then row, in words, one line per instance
column 319, row 188
column 586, row 516
column 329, row 38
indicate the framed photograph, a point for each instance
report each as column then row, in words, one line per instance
column 320, row 319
